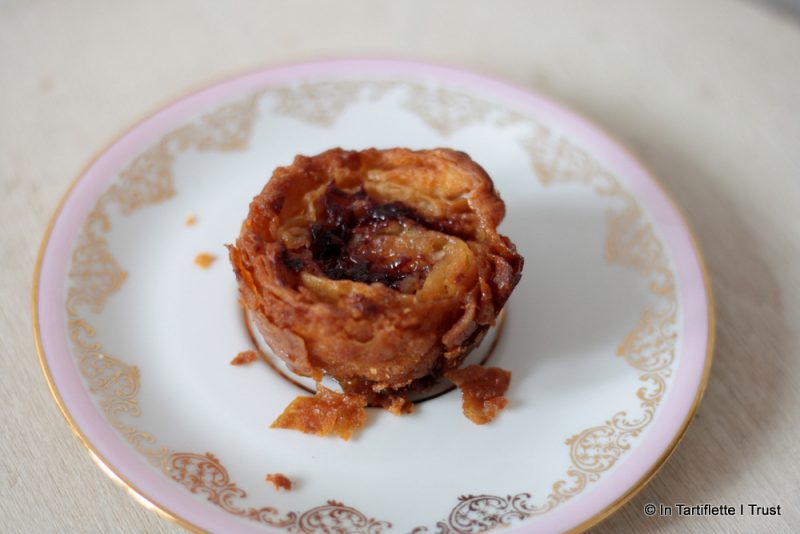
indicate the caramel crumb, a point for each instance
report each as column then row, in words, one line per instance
column 326, row 413
column 191, row 220
column 400, row 406
column 204, row 260
column 482, row 389
column 281, row 482
column 244, row 357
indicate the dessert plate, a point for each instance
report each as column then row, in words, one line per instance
column 609, row 335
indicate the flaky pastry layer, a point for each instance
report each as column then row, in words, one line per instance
column 379, row 268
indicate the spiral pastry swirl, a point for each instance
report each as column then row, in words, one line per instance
column 379, row 268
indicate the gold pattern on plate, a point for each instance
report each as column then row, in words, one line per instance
column 95, row 274
column 649, row 348
column 205, row 475
column 318, row 103
column 478, row 513
column 444, row 110
column 631, row 243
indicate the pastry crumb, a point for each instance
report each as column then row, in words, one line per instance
column 244, row 357
column 281, row 482
column 400, row 406
column 326, row 413
column 482, row 389
column 204, row 260
column 190, row 220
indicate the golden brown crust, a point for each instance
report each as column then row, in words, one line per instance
column 482, row 390
column 389, row 338
column 326, row 413
column 204, row 260
column 244, row 357
column 279, row 481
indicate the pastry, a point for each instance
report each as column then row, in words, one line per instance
column 482, row 391
column 379, row 268
column 279, row 481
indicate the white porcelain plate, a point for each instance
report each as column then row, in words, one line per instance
column 608, row 336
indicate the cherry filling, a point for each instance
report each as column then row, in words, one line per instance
column 351, row 240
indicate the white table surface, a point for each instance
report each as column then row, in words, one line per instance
column 706, row 93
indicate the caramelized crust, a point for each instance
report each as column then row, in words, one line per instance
column 281, row 482
column 326, row 413
column 400, row 406
column 244, row 357
column 204, row 260
column 482, row 389
column 380, row 268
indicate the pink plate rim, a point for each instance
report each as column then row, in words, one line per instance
column 170, row 499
